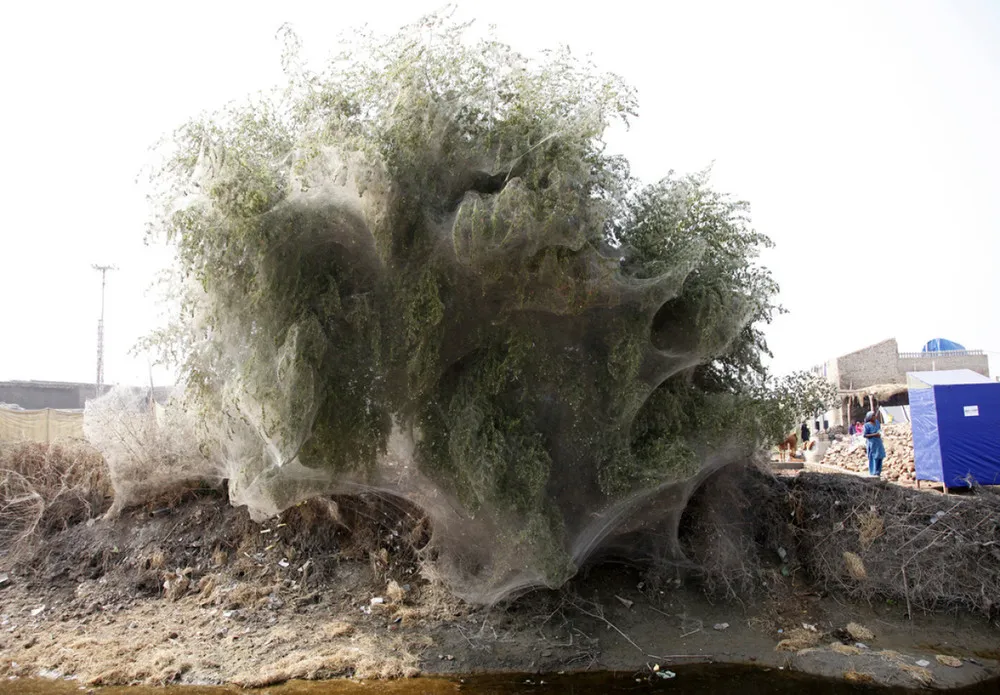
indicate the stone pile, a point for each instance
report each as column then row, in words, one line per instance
column 849, row 453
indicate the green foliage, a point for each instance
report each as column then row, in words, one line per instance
column 424, row 234
column 726, row 296
column 804, row 395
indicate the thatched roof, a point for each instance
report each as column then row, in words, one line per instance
column 880, row 391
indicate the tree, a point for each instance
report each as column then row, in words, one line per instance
column 806, row 395
column 419, row 271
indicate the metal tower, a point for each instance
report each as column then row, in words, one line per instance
column 103, row 269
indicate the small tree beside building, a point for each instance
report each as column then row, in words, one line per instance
column 804, row 395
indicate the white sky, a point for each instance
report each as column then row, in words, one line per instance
column 865, row 134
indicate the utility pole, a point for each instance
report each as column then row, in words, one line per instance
column 103, row 269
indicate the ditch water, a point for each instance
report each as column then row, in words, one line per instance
column 694, row 680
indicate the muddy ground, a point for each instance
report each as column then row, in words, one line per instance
column 195, row 592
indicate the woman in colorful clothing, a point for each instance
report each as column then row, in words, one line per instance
column 876, row 449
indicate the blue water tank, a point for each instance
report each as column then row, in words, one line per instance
column 941, row 345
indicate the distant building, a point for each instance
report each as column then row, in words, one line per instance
column 60, row 395
column 876, row 375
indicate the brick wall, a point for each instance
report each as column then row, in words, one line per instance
column 877, row 364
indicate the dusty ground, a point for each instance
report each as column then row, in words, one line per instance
column 197, row 593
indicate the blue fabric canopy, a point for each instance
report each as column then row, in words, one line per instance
column 956, row 427
column 941, row 345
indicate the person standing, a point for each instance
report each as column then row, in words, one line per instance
column 873, row 440
column 804, row 431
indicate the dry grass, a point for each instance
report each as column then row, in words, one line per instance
column 860, row 632
column 367, row 659
column 853, row 676
column 919, row 548
column 157, row 560
column 919, row 674
column 797, row 640
column 845, row 649
column 855, row 565
column 245, row 595
column 948, row 661
column 735, row 533
column 338, row 628
column 45, row 488
column 395, row 592
column 870, row 528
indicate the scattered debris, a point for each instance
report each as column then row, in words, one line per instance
column 655, row 668
column 923, row 663
column 720, row 626
column 35, row 612
column 4, row 581
column 377, row 601
column 625, row 602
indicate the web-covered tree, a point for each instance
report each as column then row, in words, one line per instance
column 420, row 271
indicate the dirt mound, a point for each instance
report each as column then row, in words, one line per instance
column 850, row 453
column 159, row 594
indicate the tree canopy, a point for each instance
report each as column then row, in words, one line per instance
column 419, row 270
column 806, row 395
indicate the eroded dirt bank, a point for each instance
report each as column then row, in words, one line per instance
column 197, row 593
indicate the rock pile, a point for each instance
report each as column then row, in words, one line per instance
column 850, row 453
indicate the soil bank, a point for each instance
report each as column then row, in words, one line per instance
column 198, row 594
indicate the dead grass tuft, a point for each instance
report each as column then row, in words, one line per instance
column 870, row 528
column 918, row 674
column 157, row 560
column 177, row 583
column 368, row 659
column 855, row 565
column 395, row 592
column 244, row 595
column 860, row 632
column 949, row 661
column 845, row 649
column 853, row 676
column 45, row 488
column 337, row 628
column 797, row 640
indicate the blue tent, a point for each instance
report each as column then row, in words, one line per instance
column 955, row 416
column 941, row 345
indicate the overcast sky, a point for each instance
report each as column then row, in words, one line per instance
column 866, row 136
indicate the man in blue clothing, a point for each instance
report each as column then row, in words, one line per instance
column 873, row 440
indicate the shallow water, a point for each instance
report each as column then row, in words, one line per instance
column 692, row 680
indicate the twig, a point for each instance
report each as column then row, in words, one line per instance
column 612, row 626
column 906, row 593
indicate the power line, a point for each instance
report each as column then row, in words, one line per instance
column 103, row 269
